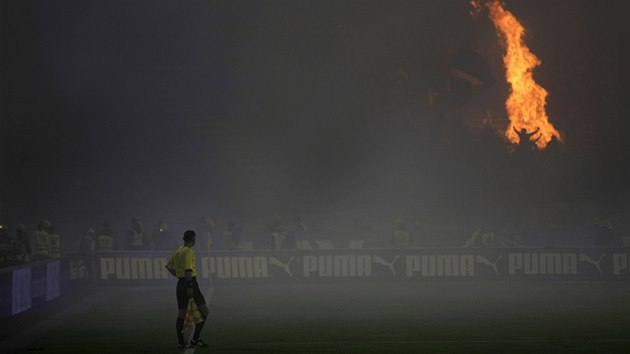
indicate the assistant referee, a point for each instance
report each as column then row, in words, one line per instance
column 182, row 265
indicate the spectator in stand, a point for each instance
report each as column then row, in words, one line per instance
column 401, row 236
column 278, row 232
column 21, row 245
column 87, row 248
column 55, row 242
column 363, row 230
column 232, row 236
column 87, row 245
column 482, row 237
column 6, row 245
column 296, row 234
column 135, row 240
column 42, row 243
column 209, row 227
column 207, row 235
column 300, row 234
column 604, row 234
column 163, row 239
column 105, row 238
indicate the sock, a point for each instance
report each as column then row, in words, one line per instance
column 180, row 329
column 198, row 328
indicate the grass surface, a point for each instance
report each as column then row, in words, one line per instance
column 492, row 317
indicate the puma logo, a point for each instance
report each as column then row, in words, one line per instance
column 285, row 266
column 383, row 262
column 493, row 265
column 597, row 264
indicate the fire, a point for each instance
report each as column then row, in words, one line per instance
column 527, row 100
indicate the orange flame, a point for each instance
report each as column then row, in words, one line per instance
column 527, row 100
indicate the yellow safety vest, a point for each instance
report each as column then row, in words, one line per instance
column 278, row 239
column 105, row 243
column 41, row 243
column 55, row 245
column 401, row 238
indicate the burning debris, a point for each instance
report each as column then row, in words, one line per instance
column 527, row 100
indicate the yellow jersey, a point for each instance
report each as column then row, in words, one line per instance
column 182, row 259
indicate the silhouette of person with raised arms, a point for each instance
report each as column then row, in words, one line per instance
column 525, row 142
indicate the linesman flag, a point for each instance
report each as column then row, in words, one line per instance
column 193, row 316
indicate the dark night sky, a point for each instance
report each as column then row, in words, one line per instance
column 162, row 108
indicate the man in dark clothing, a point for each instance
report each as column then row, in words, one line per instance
column 135, row 236
column 163, row 239
column 6, row 245
column 525, row 141
column 21, row 245
column 106, row 238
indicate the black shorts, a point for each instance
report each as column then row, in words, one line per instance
column 182, row 294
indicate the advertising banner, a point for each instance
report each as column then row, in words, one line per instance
column 6, row 289
column 401, row 264
column 75, row 271
column 21, row 290
column 53, row 280
column 36, row 284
